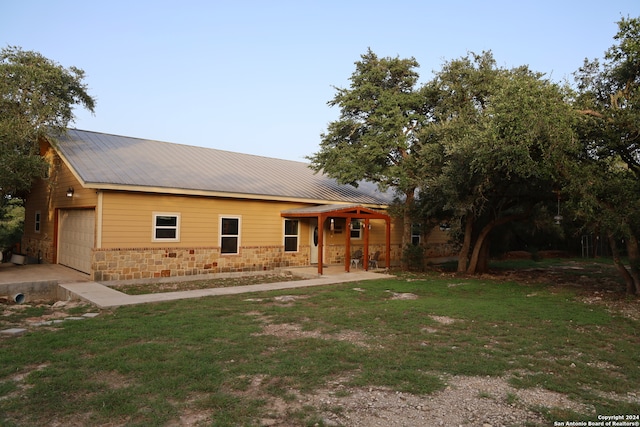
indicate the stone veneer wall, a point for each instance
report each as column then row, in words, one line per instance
column 436, row 250
column 148, row 263
column 38, row 247
column 336, row 253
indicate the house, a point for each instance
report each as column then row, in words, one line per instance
column 122, row 208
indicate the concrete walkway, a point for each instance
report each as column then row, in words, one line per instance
column 106, row 297
column 71, row 284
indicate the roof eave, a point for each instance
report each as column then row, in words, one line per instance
column 222, row 194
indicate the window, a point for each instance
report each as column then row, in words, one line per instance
column 166, row 227
column 229, row 235
column 37, row 222
column 356, row 229
column 290, row 235
column 415, row 234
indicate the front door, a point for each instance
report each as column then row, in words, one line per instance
column 313, row 236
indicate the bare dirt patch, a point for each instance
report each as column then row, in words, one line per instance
column 403, row 295
column 466, row 401
column 443, row 320
column 18, row 315
column 296, row 331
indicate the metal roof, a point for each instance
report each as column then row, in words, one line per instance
column 105, row 161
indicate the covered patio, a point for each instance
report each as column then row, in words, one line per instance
column 350, row 213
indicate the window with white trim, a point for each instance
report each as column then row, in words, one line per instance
column 416, row 233
column 37, row 222
column 166, row 227
column 229, row 234
column 356, row 229
column 291, row 235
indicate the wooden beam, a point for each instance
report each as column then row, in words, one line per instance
column 320, row 242
column 388, row 238
column 347, row 246
column 365, row 258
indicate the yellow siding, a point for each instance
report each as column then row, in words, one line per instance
column 50, row 194
column 437, row 236
column 127, row 220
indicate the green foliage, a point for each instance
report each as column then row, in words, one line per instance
column 11, row 223
column 478, row 141
column 379, row 116
column 376, row 136
column 605, row 181
column 413, row 256
column 37, row 97
column 497, row 143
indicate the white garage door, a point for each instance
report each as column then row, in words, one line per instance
column 76, row 238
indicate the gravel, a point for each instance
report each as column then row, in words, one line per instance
column 466, row 401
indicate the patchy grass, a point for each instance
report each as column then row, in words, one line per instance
column 244, row 359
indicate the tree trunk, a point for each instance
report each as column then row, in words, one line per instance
column 463, row 256
column 634, row 263
column 406, row 230
column 480, row 241
column 628, row 280
column 483, row 258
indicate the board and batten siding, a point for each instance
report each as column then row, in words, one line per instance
column 127, row 220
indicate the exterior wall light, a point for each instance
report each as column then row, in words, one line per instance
column 558, row 218
column 70, row 192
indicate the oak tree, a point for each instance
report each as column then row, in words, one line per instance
column 606, row 181
column 375, row 137
column 37, row 97
column 498, row 139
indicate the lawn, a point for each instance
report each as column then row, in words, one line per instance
column 251, row 359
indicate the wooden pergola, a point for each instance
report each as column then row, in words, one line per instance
column 349, row 212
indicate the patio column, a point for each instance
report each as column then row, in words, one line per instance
column 388, row 242
column 365, row 256
column 320, row 242
column 347, row 245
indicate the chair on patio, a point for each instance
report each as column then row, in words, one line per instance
column 356, row 258
column 373, row 260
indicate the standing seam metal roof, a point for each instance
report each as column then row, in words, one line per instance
column 104, row 160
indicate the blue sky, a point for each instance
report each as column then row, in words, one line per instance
column 255, row 76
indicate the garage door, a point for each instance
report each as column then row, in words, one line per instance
column 76, row 238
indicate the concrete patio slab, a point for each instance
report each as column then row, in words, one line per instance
column 12, row 274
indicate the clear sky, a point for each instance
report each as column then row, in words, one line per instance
column 255, row 76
